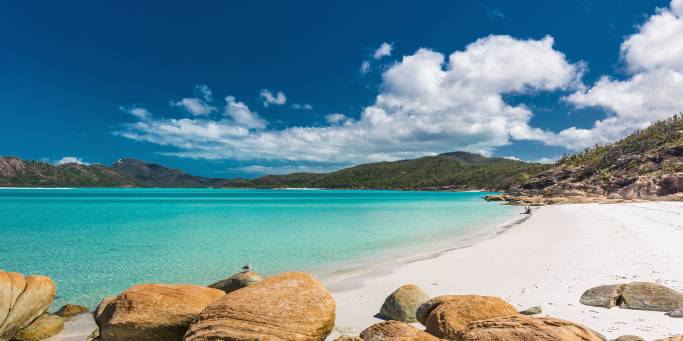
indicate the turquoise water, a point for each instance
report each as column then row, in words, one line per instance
column 97, row 242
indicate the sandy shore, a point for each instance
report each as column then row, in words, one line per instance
column 547, row 260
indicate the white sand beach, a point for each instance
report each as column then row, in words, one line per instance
column 548, row 261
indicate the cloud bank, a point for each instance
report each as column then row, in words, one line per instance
column 430, row 103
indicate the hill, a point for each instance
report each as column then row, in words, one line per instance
column 449, row 171
column 647, row 164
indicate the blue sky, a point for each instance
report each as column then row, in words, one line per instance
column 229, row 89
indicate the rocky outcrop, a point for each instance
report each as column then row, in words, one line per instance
column 532, row 311
column 237, row 281
column 22, row 300
column 71, row 310
column 348, row 338
column 152, row 312
column 604, row 296
column 288, row 306
column 650, row 296
column 454, row 312
column 672, row 338
column 678, row 313
column 395, row 331
column 634, row 295
column 670, row 184
column 402, row 304
column 45, row 326
column 526, row 328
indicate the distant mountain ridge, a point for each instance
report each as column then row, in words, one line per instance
column 448, row 171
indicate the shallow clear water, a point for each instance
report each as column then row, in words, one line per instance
column 97, row 242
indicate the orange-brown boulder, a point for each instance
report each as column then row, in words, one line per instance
column 289, row 306
column 22, row 300
column 395, row 331
column 455, row 312
column 526, row 328
column 152, row 312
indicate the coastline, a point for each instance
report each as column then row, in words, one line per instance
column 546, row 259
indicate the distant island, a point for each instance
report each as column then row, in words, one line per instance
column 449, row 171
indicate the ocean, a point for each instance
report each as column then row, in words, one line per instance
column 97, row 242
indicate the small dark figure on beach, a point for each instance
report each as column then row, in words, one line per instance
column 247, row 267
column 527, row 210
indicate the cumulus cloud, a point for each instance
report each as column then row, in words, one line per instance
column 428, row 103
column 140, row 113
column 335, row 118
column 71, row 159
column 365, row 67
column 270, row 98
column 199, row 105
column 652, row 90
column 383, row 50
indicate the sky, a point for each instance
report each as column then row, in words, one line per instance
column 242, row 89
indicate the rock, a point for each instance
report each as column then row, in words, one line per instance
column 532, row 311
column 152, row 312
column 629, row 338
column 45, row 326
column 95, row 335
column 402, row 304
column 526, row 328
column 643, row 187
column 671, row 184
column 237, row 281
column 678, row 313
column 395, row 331
column 650, row 296
column 447, row 318
column 494, row 197
column 615, row 196
column 22, row 300
column 348, row 338
column 288, row 306
column 426, row 308
column 100, row 309
column 605, row 296
column 70, row 310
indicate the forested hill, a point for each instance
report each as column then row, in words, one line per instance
column 449, row 171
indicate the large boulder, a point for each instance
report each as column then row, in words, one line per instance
column 426, row 308
column 447, row 318
column 152, row 312
column 650, row 296
column 22, row 300
column 605, row 296
column 237, row 281
column 671, row 184
column 629, row 338
column 45, row 326
column 672, row 338
column 678, row 313
column 395, row 331
column 402, row 304
column 526, row 328
column 71, row 310
column 288, row 306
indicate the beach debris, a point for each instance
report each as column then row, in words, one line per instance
column 522, row 327
column 394, row 330
column 153, row 312
column 449, row 314
column 288, row 306
column 71, row 310
column 45, row 326
column 532, row 311
column 237, row 281
column 22, row 300
column 604, row 296
column 678, row 313
column 402, row 304
column 629, row 338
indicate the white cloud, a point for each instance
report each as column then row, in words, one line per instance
column 302, row 106
column 335, row 118
column 242, row 116
column 71, row 159
column 140, row 113
column 270, row 98
column 199, row 105
column 427, row 104
column 286, row 169
column 512, row 158
column 365, row 67
column 654, row 58
column 383, row 50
